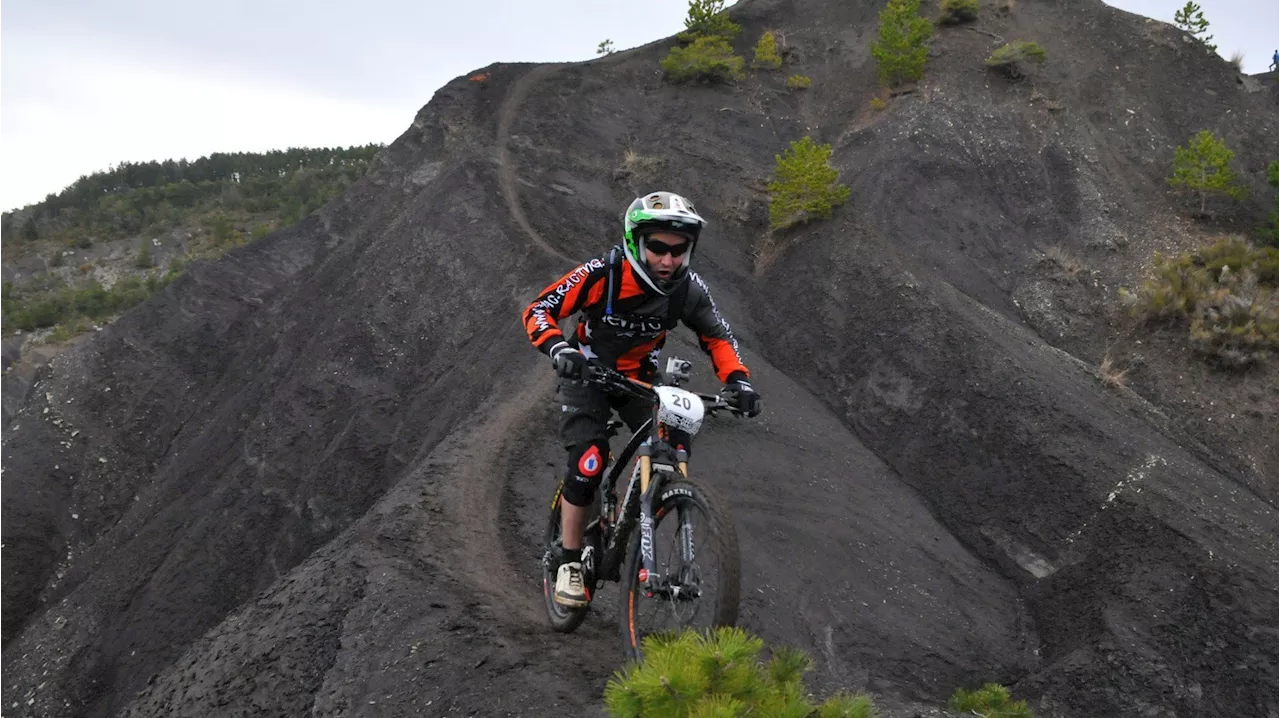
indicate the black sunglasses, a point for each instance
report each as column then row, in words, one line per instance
column 662, row 249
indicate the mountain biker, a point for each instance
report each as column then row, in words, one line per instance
column 630, row 296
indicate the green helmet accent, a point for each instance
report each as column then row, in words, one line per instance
column 659, row 212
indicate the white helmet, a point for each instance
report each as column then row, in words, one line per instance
column 660, row 212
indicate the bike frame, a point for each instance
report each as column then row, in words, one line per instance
column 645, row 444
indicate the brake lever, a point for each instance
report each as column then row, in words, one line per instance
column 722, row 404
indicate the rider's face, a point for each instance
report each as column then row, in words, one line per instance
column 664, row 264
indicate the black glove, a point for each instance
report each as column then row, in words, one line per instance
column 738, row 392
column 569, row 362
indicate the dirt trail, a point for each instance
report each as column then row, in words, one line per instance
column 486, row 458
column 507, row 172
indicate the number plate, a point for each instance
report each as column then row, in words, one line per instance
column 680, row 409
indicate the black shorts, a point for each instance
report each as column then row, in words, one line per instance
column 586, row 408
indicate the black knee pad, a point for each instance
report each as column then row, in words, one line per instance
column 585, row 469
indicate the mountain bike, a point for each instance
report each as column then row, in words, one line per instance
column 668, row 543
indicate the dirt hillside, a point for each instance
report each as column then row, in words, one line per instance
column 308, row 478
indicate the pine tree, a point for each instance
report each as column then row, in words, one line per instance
column 718, row 673
column 1191, row 19
column 707, row 59
column 707, row 19
column 1202, row 167
column 992, row 700
column 766, row 55
column 805, row 186
column 900, row 49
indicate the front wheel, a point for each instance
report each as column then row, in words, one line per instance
column 696, row 570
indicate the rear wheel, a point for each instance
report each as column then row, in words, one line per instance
column 695, row 551
column 563, row 618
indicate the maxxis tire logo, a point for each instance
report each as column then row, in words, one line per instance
column 677, row 491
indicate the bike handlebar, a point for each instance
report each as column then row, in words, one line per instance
column 613, row 379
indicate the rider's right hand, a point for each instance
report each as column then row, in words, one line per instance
column 569, row 362
column 738, row 392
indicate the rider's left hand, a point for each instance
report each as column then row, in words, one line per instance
column 739, row 393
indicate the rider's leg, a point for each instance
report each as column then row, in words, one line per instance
column 584, row 413
column 573, row 520
column 584, row 469
column 632, row 410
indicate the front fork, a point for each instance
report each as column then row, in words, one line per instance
column 648, row 575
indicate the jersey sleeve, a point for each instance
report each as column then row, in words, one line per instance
column 561, row 299
column 714, row 335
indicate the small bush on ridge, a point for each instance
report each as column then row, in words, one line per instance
column 954, row 12
column 707, row 59
column 804, row 186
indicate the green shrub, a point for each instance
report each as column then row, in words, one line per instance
column 719, row 673
column 1237, row 255
column 223, row 231
column 145, row 259
column 28, row 310
column 1271, row 233
column 804, row 186
column 799, row 82
column 67, row 330
column 708, row 59
column 991, row 701
column 1016, row 60
column 706, row 18
column 766, row 55
column 878, row 104
column 1225, row 292
column 954, row 12
column 1203, row 169
column 900, row 50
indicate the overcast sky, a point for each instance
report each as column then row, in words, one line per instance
column 85, row 84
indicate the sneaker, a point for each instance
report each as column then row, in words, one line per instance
column 569, row 591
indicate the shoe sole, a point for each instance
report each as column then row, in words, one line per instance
column 569, row 602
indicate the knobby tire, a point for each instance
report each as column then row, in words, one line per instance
column 723, row 609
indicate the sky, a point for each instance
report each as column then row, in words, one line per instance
column 86, row 84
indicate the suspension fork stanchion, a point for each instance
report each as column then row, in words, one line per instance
column 645, row 463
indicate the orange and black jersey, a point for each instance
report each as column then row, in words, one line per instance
column 626, row 322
